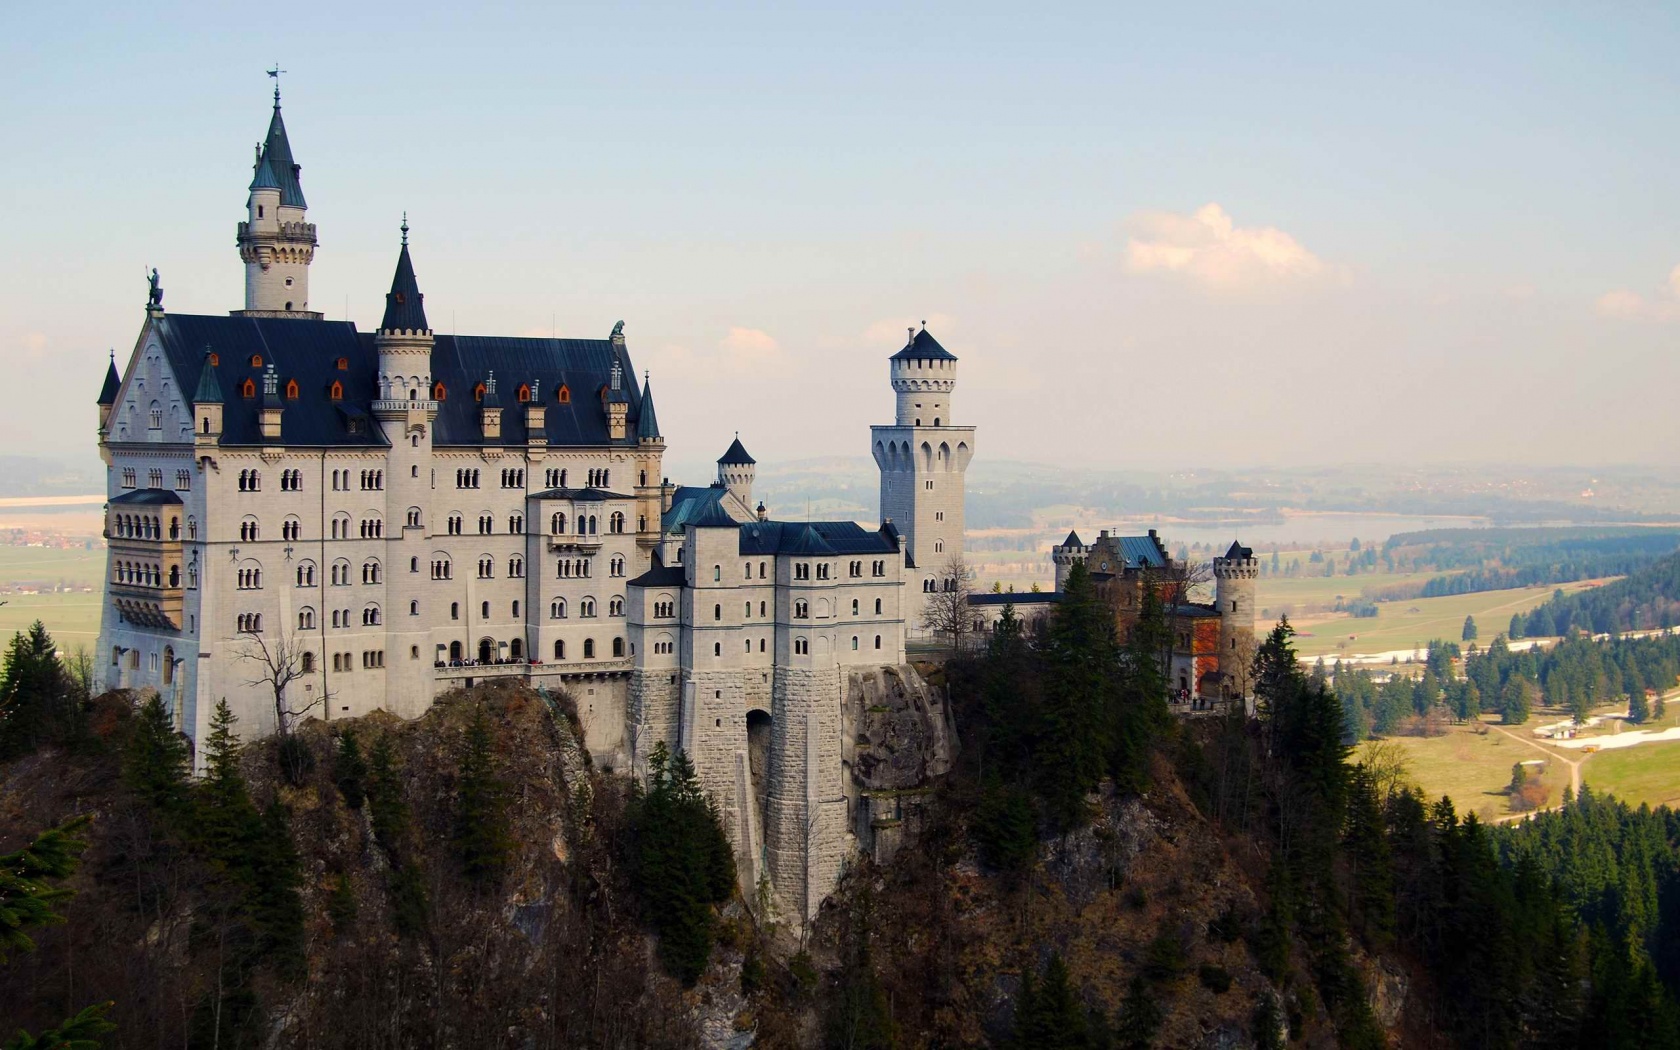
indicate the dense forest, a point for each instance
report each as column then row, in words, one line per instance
column 1472, row 560
column 1094, row 874
column 1648, row 598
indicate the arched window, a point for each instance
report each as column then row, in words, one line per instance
column 306, row 619
column 616, row 524
column 717, row 648
column 618, row 647
column 801, row 610
column 414, row 608
column 615, row 607
column 717, row 612
column 557, row 609
column 564, row 397
column 308, row 663
column 877, row 610
column 877, row 641
column 854, row 643
column 589, row 648
column 524, row 394
column 438, row 392
column 291, row 390
column 478, row 392
column 717, row 573
column 854, row 609
column 559, row 649
column 336, row 391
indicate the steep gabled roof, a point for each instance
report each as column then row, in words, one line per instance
column 737, row 455
column 815, row 538
column 923, row 347
column 277, row 157
column 113, row 384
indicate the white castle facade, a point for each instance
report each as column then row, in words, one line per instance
column 393, row 515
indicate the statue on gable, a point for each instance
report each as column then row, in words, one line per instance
column 618, row 330
column 154, row 293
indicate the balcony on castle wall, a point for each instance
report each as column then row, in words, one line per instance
column 286, row 231
column 404, row 405
column 572, row 542
column 456, row 670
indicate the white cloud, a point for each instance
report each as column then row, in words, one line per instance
column 1208, row 247
column 749, row 347
column 742, row 351
column 1627, row 305
column 890, row 331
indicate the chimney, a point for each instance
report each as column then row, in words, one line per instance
column 763, row 514
column 490, row 412
column 536, row 427
column 667, row 493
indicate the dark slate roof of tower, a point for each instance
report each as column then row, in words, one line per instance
column 404, row 305
column 264, row 178
column 1072, row 539
column 277, row 155
column 309, row 351
column 146, row 498
column 1016, row 598
column 815, row 538
column 1238, row 551
column 209, row 390
column 923, row 347
column 647, row 427
column 113, row 384
column 737, row 455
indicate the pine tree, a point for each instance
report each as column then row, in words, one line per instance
column 27, row 893
column 227, row 822
column 1139, row 1018
column 1514, row 701
column 349, row 770
column 275, row 908
column 1516, row 629
column 1639, row 709
column 1073, row 742
column 1468, row 634
column 386, row 805
column 155, row 762
column 1049, row 1017
column 1370, row 864
column 32, row 692
column 482, row 841
column 681, row 861
column 81, row 1032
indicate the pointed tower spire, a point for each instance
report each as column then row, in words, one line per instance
column 113, row 383
column 404, row 305
column 276, row 244
column 209, row 390
column 647, row 423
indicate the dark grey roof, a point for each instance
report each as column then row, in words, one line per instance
column 277, row 156
column 147, row 498
column 113, row 384
column 264, row 178
column 737, row 455
column 661, row 575
column 1072, row 540
column 690, row 503
column 1192, row 610
column 647, row 427
column 588, row 495
column 301, row 349
column 309, row 351
column 923, row 347
column 582, row 366
column 404, row 305
column 1238, row 552
column 1016, row 598
column 815, row 537
column 209, row 391
column 711, row 515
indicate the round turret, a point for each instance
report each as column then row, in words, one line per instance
column 737, row 471
column 924, row 375
column 1066, row 555
column 1235, row 577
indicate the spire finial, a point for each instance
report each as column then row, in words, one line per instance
column 405, row 228
column 113, row 355
column 275, row 73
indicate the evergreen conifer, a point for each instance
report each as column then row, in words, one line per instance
column 482, row 841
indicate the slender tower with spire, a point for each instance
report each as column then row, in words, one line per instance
column 275, row 242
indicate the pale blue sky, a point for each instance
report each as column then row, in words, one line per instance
column 767, row 195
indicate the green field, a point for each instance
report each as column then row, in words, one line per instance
column 72, row 617
column 1407, row 625
column 1646, row 773
column 1474, row 769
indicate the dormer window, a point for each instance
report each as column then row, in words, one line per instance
column 344, row 364
column 565, row 395
column 248, row 389
column 256, row 360
column 438, row 393
column 478, row 392
column 291, row 390
column 215, row 359
column 336, row 391
column 524, row 392
column 399, row 297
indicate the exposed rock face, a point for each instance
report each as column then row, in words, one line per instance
column 898, row 739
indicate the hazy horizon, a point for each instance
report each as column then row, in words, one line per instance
column 1201, row 240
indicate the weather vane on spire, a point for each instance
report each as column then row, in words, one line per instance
column 275, row 73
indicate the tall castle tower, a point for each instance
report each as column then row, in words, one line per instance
column 1234, row 578
column 275, row 242
column 923, row 457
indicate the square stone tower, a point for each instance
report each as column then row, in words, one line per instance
column 923, row 458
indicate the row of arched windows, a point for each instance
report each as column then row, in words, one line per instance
column 140, row 574
column 566, row 568
column 291, row 481
column 250, row 481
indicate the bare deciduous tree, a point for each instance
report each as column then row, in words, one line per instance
column 947, row 612
column 279, row 663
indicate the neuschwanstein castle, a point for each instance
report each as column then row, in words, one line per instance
column 396, row 514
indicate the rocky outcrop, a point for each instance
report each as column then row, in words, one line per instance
column 898, row 740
